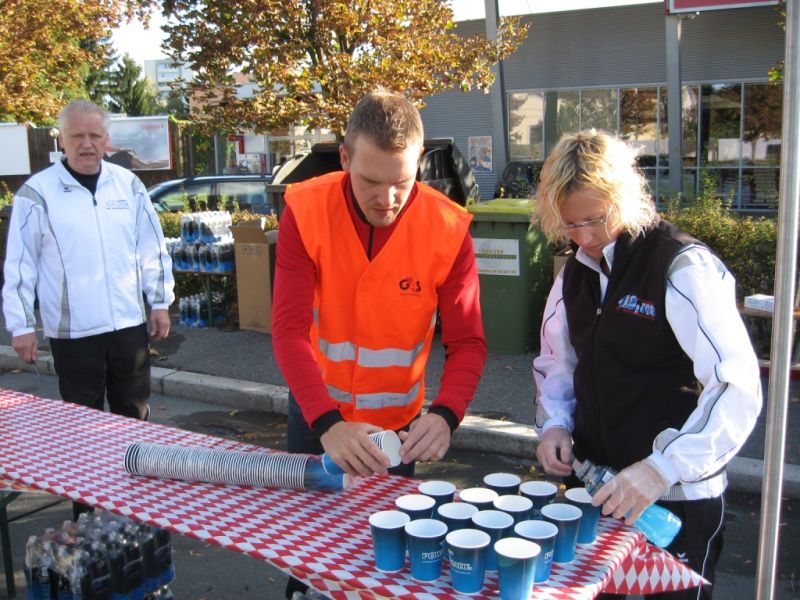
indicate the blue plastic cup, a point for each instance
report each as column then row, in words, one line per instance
column 498, row 525
column 519, row 507
column 567, row 519
column 466, row 550
column 516, row 563
column 541, row 494
column 425, row 539
column 502, row 483
column 389, row 539
column 587, row 530
column 456, row 515
column 441, row 491
column 415, row 506
column 480, row 497
column 544, row 534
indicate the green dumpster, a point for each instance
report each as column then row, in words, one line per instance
column 515, row 268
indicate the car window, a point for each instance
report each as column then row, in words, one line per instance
column 249, row 194
column 196, row 192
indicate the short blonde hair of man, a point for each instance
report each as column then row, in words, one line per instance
column 600, row 162
column 388, row 119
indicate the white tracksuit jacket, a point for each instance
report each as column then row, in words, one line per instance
column 88, row 258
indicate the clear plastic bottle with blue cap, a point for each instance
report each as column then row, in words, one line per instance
column 658, row 525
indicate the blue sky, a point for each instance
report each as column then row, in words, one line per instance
column 143, row 44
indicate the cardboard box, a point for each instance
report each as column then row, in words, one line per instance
column 254, row 249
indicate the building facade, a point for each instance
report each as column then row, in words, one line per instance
column 165, row 71
column 607, row 68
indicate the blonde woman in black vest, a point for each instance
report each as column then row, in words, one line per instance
column 645, row 363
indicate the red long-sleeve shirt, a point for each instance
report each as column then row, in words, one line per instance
column 459, row 310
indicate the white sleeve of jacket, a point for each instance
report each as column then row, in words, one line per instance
column 554, row 366
column 155, row 264
column 701, row 309
column 21, row 268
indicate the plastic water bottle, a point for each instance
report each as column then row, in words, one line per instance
column 657, row 524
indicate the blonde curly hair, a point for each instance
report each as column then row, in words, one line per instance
column 600, row 162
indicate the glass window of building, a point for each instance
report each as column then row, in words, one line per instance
column 526, row 126
column 599, row 110
column 731, row 133
column 569, row 113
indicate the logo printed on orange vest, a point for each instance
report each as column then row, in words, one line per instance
column 410, row 287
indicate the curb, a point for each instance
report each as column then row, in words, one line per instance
column 474, row 433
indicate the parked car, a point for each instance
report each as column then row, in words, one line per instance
column 519, row 179
column 216, row 192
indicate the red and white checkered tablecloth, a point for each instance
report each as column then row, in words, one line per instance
column 322, row 538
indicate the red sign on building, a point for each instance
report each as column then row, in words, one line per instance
column 683, row 6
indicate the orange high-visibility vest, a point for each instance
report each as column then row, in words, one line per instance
column 374, row 320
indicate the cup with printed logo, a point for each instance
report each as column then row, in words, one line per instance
column 425, row 539
column 498, row 525
column 516, row 565
column 567, row 519
column 541, row 493
column 519, row 507
column 389, row 539
column 416, row 506
column 466, row 550
column 442, row 492
column 502, row 483
column 587, row 530
column 544, row 534
column 480, row 497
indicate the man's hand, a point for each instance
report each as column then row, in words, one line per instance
column 349, row 446
column 631, row 491
column 26, row 346
column 428, row 438
column 159, row 324
column 555, row 451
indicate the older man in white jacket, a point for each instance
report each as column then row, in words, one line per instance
column 85, row 239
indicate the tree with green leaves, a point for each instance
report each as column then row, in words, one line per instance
column 45, row 51
column 97, row 81
column 309, row 61
column 130, row 92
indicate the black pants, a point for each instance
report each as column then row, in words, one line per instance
column 698, row 545
column 301, row 439
column 114, row 365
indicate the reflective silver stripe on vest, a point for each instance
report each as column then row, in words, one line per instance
column 339, row 395
column 389, row 357
column 339, row 351
column 376, row 400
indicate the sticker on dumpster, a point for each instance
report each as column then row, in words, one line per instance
column 497, row 257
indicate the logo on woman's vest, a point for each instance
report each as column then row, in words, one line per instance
column 634, row 305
